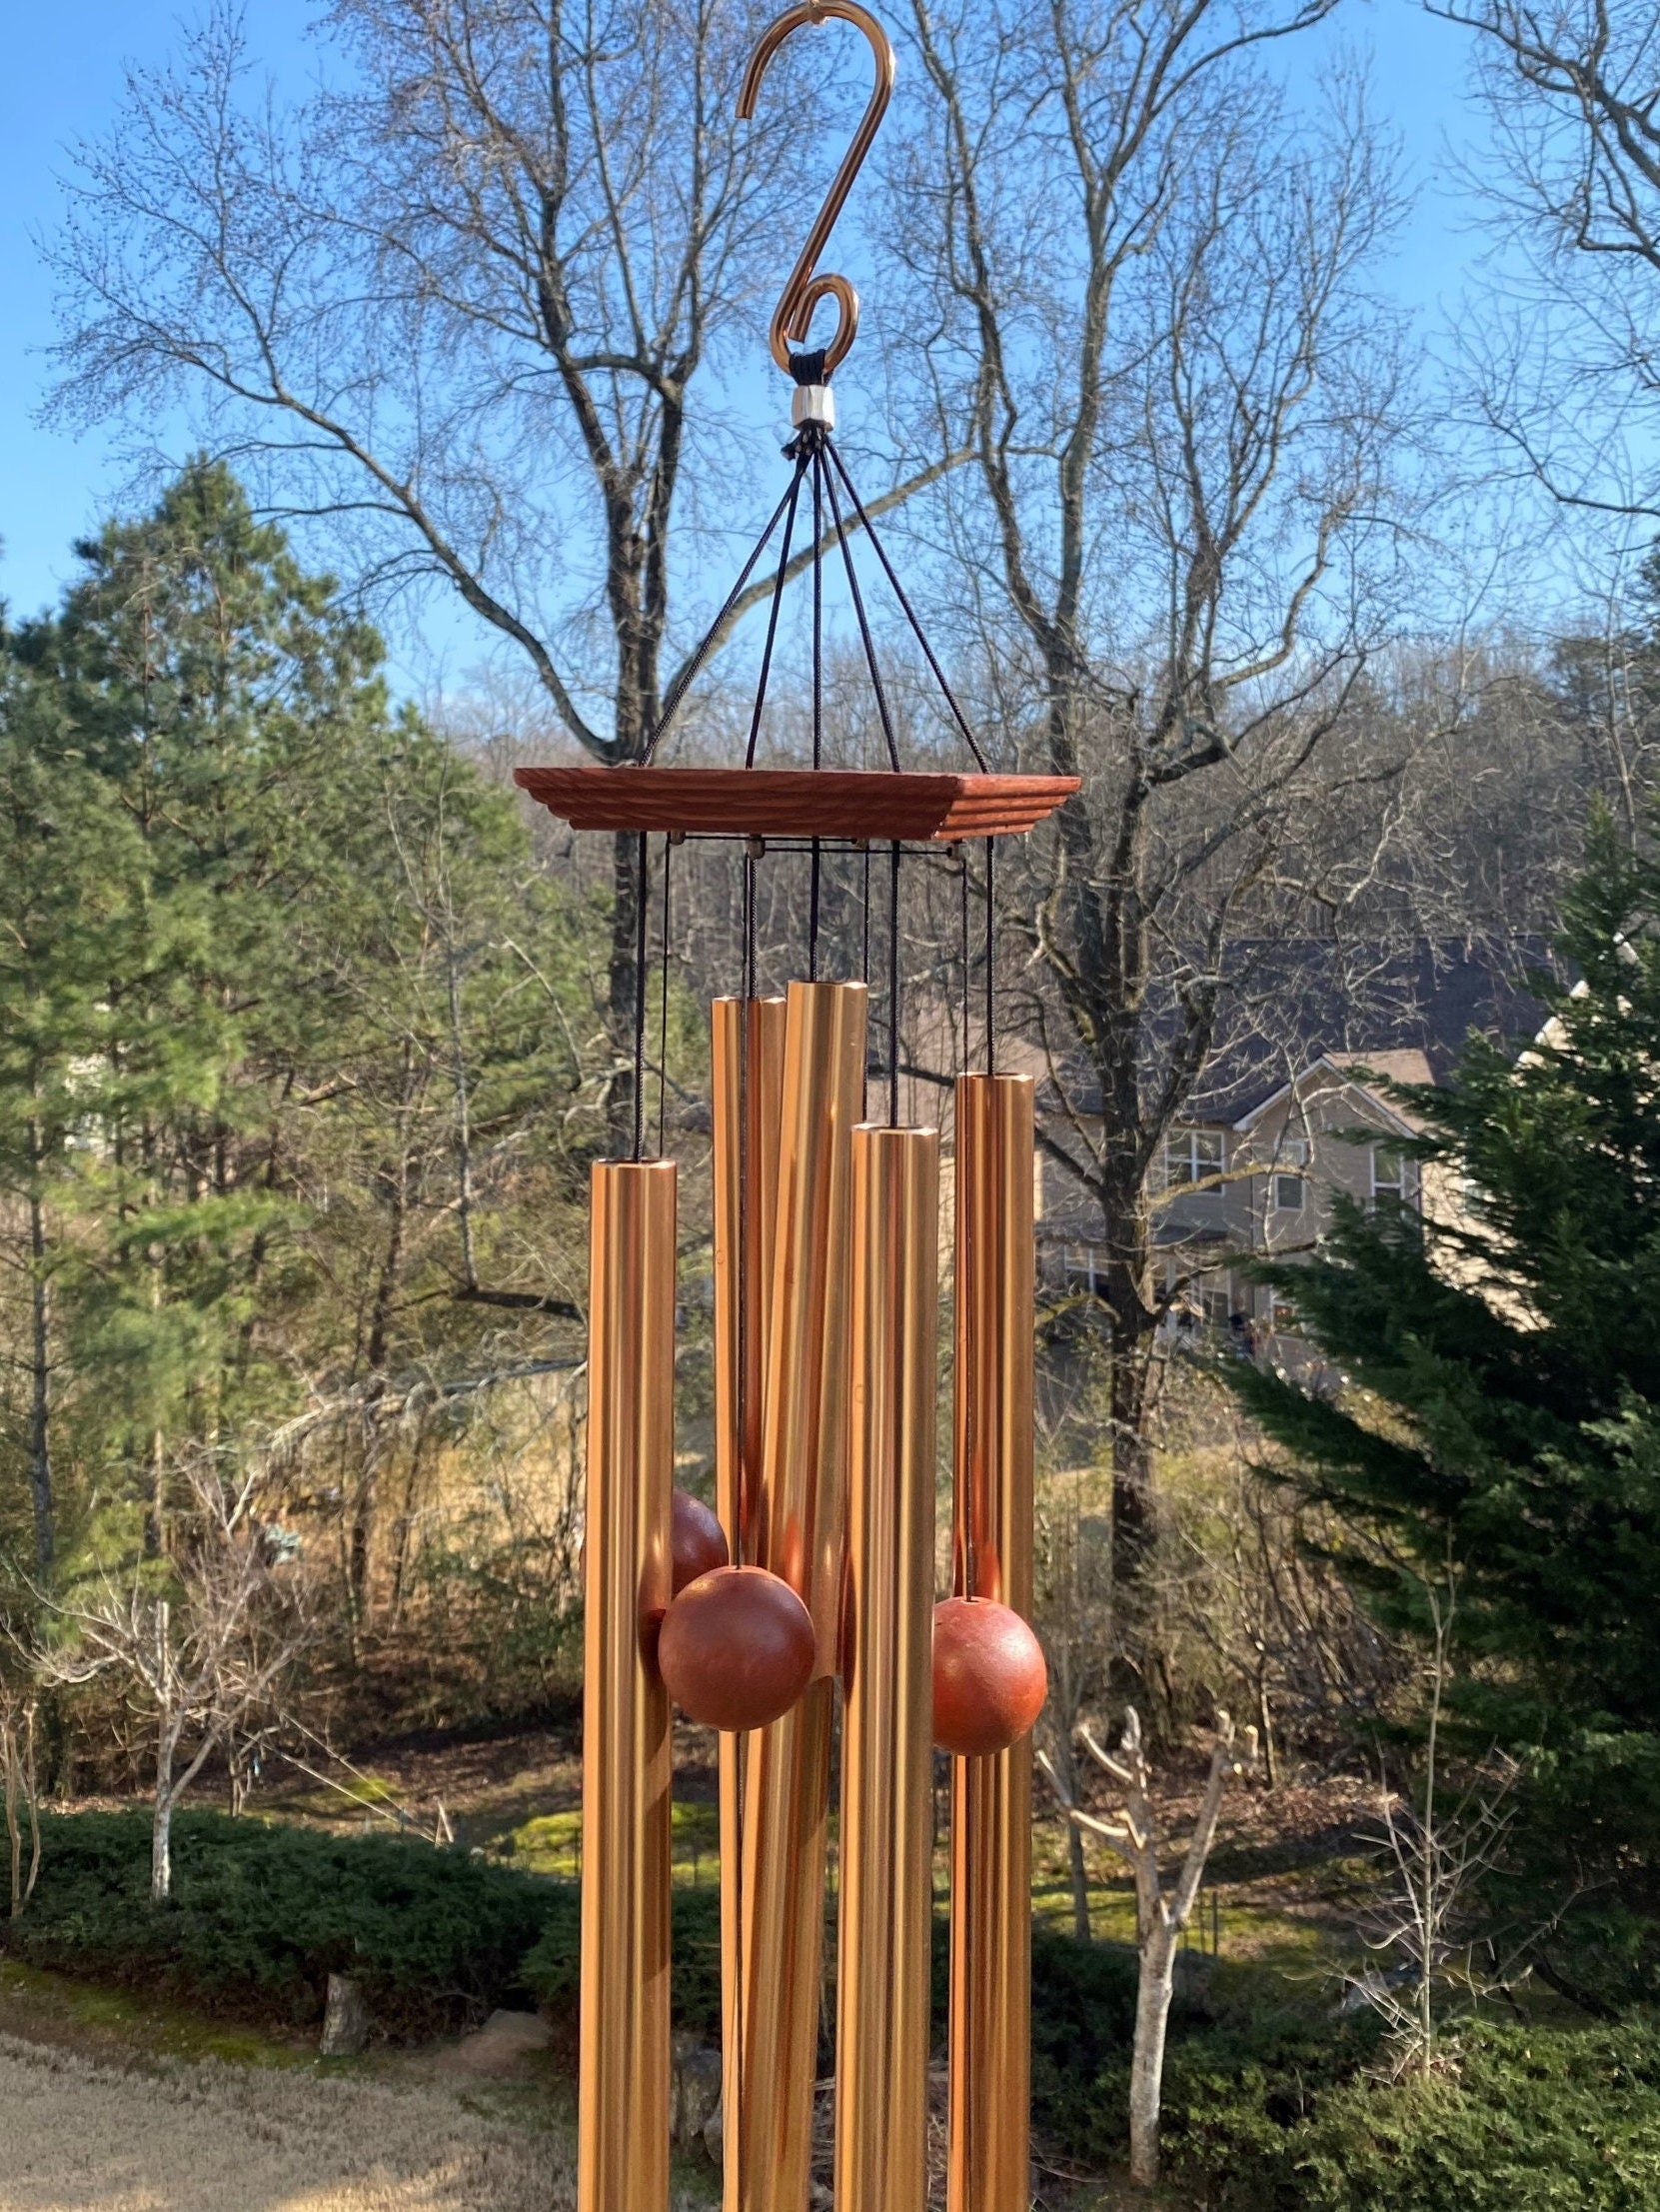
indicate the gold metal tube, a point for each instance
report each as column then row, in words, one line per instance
column 624, row 2081
column 797, row 1533
column 987, row 2150
column 881, row 2033
column 747, row 1067
column 748, row 1055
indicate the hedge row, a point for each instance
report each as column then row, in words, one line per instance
column 261, row 1915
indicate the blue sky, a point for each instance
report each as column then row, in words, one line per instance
column 63, row 79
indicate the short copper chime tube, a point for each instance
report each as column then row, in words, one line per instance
column 623, row 2069
column 990, row 1986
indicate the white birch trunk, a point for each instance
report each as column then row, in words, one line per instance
column 1154, row 1987
column 161, row 1844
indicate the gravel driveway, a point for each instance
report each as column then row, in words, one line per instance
column 77, row 2136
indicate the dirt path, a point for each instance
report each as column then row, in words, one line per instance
column 78, row 2135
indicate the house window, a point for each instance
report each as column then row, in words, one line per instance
column 1290, row 1183
column 1192, row 1156
column 1389, row 1174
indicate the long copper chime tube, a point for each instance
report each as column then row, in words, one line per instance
column 623, row 2077
column 990, row 1993
column 881, row 2036
column 797, row 1533
column 747, row 1067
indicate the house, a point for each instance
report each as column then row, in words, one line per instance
column 1293, row 1110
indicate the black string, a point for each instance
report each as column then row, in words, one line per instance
column 748, row 925
column 865, row 962
column 662, row 1028
column 920, row 635
column 815, row 865
column 864, row 624
column 894, row 989
column 817, row 608
column 990, row 959
column 793, row 495
column 684, row 682
column 968, row 961
column 640, row 1005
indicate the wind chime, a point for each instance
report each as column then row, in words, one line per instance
column 818, row 1576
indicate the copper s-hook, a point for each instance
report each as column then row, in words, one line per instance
column 792, row 317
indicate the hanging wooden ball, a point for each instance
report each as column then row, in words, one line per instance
column 696, row 1540
column 990, row 1680
column 736, row 1648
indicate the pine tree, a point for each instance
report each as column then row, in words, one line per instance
column 1502, row 1419
column 334, row 1046
column 70, row 894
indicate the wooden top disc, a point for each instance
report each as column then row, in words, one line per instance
column 875, row 804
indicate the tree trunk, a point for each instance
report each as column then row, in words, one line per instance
column 1146, row 2074
column 1132, row 1500
column 161, row 1833
column 1078, row 1867
column 623, row 987
column 40, row 1364
column 377, row 1350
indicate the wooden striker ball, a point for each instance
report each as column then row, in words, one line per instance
column 989, row 1679
column 696, row 1540
column 735, row 1648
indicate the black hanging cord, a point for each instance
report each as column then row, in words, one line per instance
column 863, row 623
column 793, row 496
column 919, row 632
column 748, row 925
column 864, row 963
column 894, row 988
column 640, row 1005
column 990, row 957
column 967, row 959
column 683, row 683
column 815, row 865
column 662, row 1021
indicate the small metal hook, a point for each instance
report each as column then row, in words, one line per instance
column 792, row 317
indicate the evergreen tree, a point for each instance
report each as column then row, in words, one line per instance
column 326, row 1066
column 70, row 894
column 1502, row 1419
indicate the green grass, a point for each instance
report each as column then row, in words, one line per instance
column 551, row 1843
column 57, row 2003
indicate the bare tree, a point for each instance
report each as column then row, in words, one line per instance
column 20, row 1777
column 1434, row 1853
column 1074, row 1616
column 201, row 1651
column 1160, row 1915
column 1565, row 373
column 1144, row 302
column 463, row 306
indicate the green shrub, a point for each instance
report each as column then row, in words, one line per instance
column 1285, row 2115
column 1546, row 2119
column 261, row 1915
column 551, row 1971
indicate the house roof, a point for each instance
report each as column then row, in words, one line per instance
column 1398, row 1067
column 1405, row 1012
